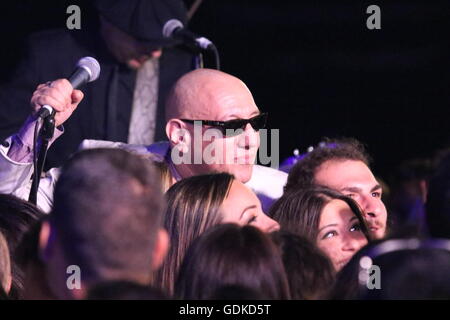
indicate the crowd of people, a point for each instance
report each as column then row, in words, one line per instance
column 194, row 217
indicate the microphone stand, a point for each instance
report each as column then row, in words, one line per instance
column 198, row 61
column 215, row 52
column 45, row 135
column 198, row 58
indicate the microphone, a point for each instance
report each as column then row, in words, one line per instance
column 87, row 70
column 174, row 29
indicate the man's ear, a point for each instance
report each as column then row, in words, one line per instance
column 177, row 134
column 46, row 239
column 161, row 248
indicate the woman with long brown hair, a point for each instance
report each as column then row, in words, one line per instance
column 197, row 203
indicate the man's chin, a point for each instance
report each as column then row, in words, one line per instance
column 377, row 233
column 243, row 173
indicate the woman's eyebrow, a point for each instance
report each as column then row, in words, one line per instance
column 329, row 225
column 247, row 208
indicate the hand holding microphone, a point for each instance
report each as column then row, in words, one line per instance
column 61, row 95
column 58, row 94
column 54, row 102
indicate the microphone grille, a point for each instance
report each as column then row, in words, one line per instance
column 170, row 26
column 92, row 66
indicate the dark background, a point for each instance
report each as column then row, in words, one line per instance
column 314, row 66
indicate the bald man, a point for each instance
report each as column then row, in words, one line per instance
column 211, row 95
column 213, row 125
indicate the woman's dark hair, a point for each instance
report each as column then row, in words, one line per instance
column 310, row 273
column 235, row 292
column 17, row 217
column 299, row 211
column 193, row 206
column 232, row 255
column 124, row 290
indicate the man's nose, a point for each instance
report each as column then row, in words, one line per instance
column 249, row 138
column 371, row 207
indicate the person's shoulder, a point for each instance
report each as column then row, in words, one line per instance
column 94, row 144
column 157, row 150
column 267, row 180
column 268, row 171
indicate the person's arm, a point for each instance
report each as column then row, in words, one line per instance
column 16, row 156
column 64, row 100
column 16, row 152
column 21, row 148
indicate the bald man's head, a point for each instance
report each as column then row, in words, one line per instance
column 205, row 94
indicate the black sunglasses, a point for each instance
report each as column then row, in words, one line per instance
column 230, row 127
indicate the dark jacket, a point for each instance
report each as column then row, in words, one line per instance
column 105, row 110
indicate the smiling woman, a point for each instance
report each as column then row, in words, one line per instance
column 196, row 204
column 326, row 217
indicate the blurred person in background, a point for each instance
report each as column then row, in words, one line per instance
column 309, row 271
column 230, row 254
